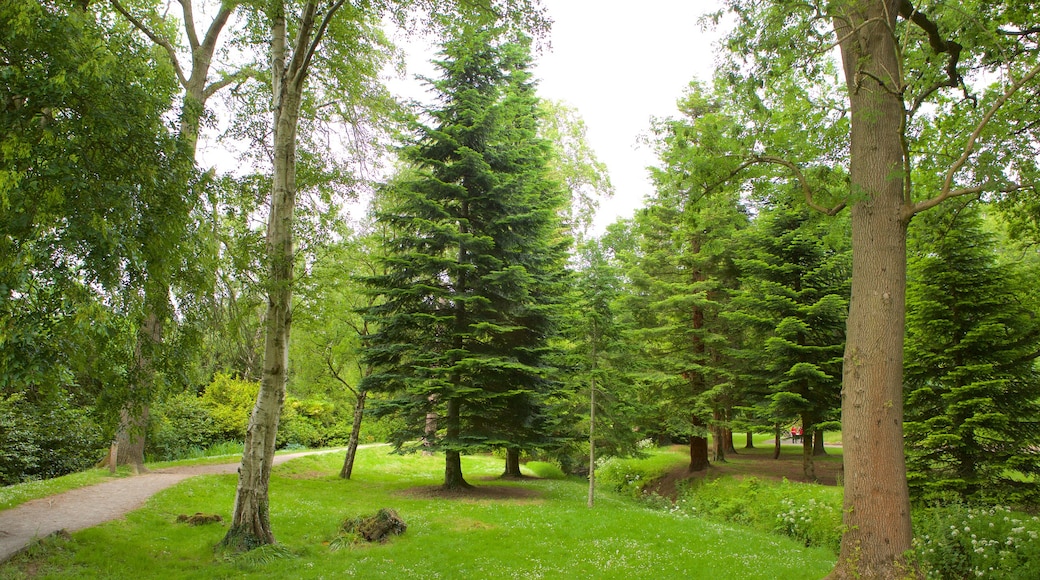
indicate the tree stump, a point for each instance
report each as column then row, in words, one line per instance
column 376, row 528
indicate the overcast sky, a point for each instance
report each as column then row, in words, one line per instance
column 619, row 64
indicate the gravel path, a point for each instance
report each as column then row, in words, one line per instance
column 89, row 506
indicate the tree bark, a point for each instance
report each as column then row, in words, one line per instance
column 876, row 502
column 355, row 434
column 818, row 448
column 749, row 443
column 453, row 479
column 251, row 525
column 592, row 439
column 727, row 440
column 430, row 433
column 698, row 453
column 512, row 463
column 128, row 446
column 718, row 439
column 777, row 438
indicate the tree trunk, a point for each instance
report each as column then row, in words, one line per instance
column 818, row 448
column 749, row 443
column 250, row 524
column 128, row 446
column 355, row 433
column 698, row 453
column 430, row 433
column 453, row 480
column 727, row 440
column 876, row 503
column 718, row 439
column 592, row 436
column 512, row 463
column 777, row 438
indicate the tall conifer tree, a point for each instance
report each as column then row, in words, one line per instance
column 972, row 383
column 476, row 266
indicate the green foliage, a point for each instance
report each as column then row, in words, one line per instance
column 230, row 402
column 629, row 476
column 182, row 425
column 475, row 262
column 971, row 384
column 958, row 540
column 545, row 470
column 808, row 513
column 44, row 438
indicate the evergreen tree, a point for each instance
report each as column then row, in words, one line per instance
column 475, row 268
column 794, row 292
column 972, row 384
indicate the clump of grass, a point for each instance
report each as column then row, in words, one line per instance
column 629, row 476
column 545, row 470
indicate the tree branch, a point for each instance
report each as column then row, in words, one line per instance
column 240, row 76
column 189, row 24
column 336, row 375
column 318, row 36
column 969, row 148
column 802, row 181
column 939, row 45
column 209, row 43
column 159, row 40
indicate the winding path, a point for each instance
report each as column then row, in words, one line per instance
column 89, row 506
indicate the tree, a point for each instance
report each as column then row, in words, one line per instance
column 971, row 376
column 794, row 288
column 93, row 185
column 475, row 261
column 895, row 59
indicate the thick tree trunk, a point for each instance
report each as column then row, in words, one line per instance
column 128, row 446
column 698, row 453
column 749, row 443
column 777, row 438
column 876, row 503
column 250, row 524
column 355, row 434
column 818, row 448
column 512, row 463
column 453, row 480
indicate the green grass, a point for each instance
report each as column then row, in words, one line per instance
column 552, row 535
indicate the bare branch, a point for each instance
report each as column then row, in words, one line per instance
column 802, row 181
column 336, row 375
column 237, row 77
column 189, row 24
column 154, row 37
column 939, row 45
column 1026, row 32
column 209, row 43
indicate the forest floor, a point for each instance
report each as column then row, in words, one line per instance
column 89, row 506
column 757, row 462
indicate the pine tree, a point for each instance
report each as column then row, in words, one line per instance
column 476, row 267
column 794, row 292
column 972, row 383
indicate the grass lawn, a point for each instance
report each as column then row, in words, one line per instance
column 546, row 533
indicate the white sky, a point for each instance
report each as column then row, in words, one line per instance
column 619, row 64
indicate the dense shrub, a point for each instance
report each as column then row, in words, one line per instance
column 961, row 541
column 44, row 439
column 181, row 426
column 809, row 513
column 230, row 402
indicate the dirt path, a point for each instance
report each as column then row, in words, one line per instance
column 89, row 506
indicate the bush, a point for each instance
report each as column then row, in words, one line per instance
column 44, row 439
column 629, row 476
column 181, row 426
column 230, row 401
column 960, row 541
column 809, row 513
